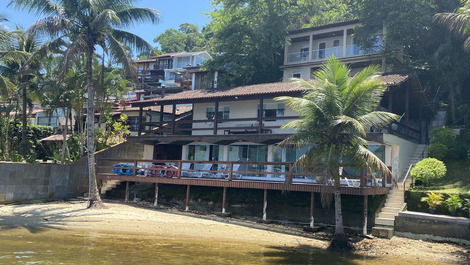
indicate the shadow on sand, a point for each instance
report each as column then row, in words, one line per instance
column 309, row 255
column 39, row 218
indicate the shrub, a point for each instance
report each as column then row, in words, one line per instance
column 443, row 136
column 433, row 200
column 438, row 151
column 429, row 169
column 453, row 203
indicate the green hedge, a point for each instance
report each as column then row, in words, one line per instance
column 414, row 203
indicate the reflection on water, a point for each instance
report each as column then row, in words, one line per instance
column 19, row 246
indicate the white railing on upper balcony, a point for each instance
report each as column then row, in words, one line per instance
column 323, row 54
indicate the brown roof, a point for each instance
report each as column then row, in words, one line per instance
column 251, row 90
column 167, row 109
column 394, row 79
column 279, row 88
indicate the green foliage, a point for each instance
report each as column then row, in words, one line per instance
column 453, row 203
column 120, row 130
column 427, row 170
column 444, row 136
column 187, row 38
column 433, row 200
column 438, row 151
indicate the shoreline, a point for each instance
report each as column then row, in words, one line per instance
column 118, row 218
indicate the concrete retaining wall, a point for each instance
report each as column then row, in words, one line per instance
column 22, row 181
column 434, row 227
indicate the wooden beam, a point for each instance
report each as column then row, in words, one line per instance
column 265, row 205
column 216, row 117
column 126, row 195
column 173, row 119
column 224, row 200
column 141, row 111
column 260, row 115
column 312, row 207
column 364, row 227
column 188, row 190
column 155, row 202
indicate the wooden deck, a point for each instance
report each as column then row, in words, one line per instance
column 228, row 175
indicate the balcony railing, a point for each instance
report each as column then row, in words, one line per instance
column 285, row 172
column 338, row 52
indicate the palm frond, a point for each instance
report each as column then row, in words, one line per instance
column 132, row 15
column 53, row 26
column 378, row 119
column 104, row 18
column 46, row 7
column 371, row 160
column 120, row 54
column 132, row 41
column 456, row 22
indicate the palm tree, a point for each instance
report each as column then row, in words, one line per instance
column 336, row 110
column 458, row 22
column 88, row 24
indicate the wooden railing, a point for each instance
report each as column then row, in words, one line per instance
column 228, row 171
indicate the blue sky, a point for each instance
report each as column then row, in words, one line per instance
column 172, row 14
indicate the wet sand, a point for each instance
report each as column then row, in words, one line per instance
column 125, row 219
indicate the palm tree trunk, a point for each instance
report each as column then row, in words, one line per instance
column 339, row 241
column 24, row 120
column 94, row 199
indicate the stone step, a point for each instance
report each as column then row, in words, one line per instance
column 395, row 200
column 387, row 215
column 385, row 221
column 391, row 209
column 394, row 204
column 382, row 232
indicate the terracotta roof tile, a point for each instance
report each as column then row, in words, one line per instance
column 394, row 79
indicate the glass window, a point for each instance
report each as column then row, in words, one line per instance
column 210, row 113
column 223, row 114
column 336, row 43
column 321, row 50
column 304, row 53
column 197, row 152
column 296, row 75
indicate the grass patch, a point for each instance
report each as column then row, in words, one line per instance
column 457, row 179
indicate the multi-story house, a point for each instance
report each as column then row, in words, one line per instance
column 171, row 72
column 306, row 49
column 232, row 138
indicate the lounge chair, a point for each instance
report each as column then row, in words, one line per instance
column 203, row 173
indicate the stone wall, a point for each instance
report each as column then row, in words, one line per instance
column 22, row 181
column 434, row 227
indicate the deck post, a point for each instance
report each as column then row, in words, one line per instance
column 126, row 195
column 216, row 117
column 265, row 205
column 162, row 114
column 230, row 173
column 173, row 119
column 141, row 114
column 224, row 200
column 312, row 205
column 155, row 202
column 180, row 166
column 364, row 227
column 188, row 190
column 260, row 115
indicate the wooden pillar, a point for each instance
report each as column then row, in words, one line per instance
column 407, row 105
column 364, row 227
column 216, row 117
column 265, row 205
column 126, row 195
column 224, row 200
column 155, row 202
column 188, row 190
column 173, row 119
column 312, row 207
column 260, row 115
column 141, row 127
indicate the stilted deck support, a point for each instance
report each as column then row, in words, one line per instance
column 155, row 202
column 265, row 205
column 364, row 227
column 126, row 195
column 224, row 200
column 188, row 191
column 312, row 205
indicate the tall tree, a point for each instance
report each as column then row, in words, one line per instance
column 336, row 112
column 458, row 22
column 187, row 38
column 88, row 24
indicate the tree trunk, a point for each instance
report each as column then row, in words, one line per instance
column 339, row 241
column 64, row 136
column 24, row 120
column 94, row 199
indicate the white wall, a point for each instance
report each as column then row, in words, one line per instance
column 304, row 71
column 402, row 152
column 238, row 109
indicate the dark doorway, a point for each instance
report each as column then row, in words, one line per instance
column 167, row 152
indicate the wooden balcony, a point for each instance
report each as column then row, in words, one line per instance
column 247, row 175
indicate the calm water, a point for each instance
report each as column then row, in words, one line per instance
column 20, row 246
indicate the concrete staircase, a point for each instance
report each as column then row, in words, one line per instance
column 109, row 185
column 395, row 202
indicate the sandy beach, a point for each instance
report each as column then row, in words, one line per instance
column 128, row 219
